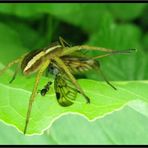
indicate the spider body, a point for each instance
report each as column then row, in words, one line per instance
column 33, row 60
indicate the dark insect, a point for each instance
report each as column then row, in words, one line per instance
column 65, row 91
column 45, row 89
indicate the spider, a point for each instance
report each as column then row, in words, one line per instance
column 63, row 61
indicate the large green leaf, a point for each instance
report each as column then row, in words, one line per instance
column 7, row 137
column 126, row 11
column 145, row 42
column 125, row 126
column 101, row 20
column 104, row 100
column 120, row 67
column 76, row 14
column 10, row 44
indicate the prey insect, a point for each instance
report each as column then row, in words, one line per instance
column 45, row 89
column 63, row 61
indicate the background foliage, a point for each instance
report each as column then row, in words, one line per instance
column 24, row 27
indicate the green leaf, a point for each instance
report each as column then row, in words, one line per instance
column 107, row 23
column 10, row 44
column 145, row 42
column 8, row 132
column 104, row 100
column 76, row 14
column 120, row 67
column 29, row 38
column 80, row 14
column 22, row 10
column 126, row 12
column 125, row 126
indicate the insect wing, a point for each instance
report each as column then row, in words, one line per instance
column 80, row 65
column 65, row 91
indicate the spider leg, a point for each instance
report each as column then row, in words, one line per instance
column 69, row 50
column 104, row 77
column 15, row 73
column 32, row 97
column 62, row 42
column 102, row 56
column 106, row 49
column 96, row 67
column 64, row 67
column 9, row 65
column 19, row 60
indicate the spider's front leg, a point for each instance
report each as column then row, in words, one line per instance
column 69, row 50
column 71, row 77
column 63, row 42
column 43, row 67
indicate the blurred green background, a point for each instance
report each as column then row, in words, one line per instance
column 25, row 27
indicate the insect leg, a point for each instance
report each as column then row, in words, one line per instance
column 32, row 97
column 64, row 67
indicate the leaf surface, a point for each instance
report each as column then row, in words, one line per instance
column 104, row 100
